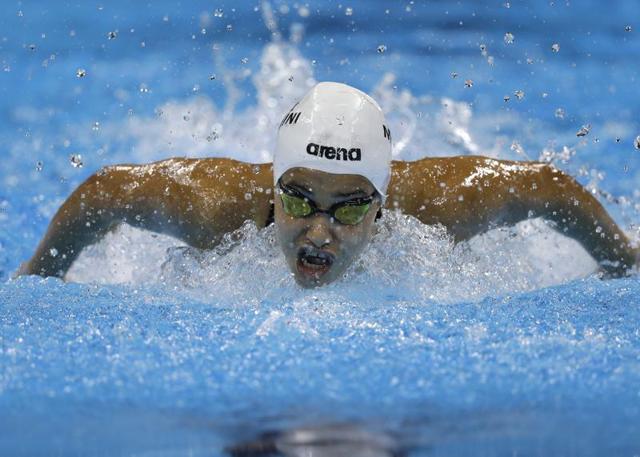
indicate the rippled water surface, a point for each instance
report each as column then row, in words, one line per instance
column 506, row 345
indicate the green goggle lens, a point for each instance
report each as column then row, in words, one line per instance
column 352, row 214
column 348, row 214
column 295, row 206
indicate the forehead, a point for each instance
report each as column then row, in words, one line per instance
column 320, row 182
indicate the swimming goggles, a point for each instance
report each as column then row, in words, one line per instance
column 351, row 212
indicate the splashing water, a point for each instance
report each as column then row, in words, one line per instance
column 405, row 259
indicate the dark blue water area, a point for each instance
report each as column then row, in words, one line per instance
column 88, row 369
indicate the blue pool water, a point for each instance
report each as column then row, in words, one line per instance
column 507, row 345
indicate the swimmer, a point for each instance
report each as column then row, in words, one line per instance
column 331, row 177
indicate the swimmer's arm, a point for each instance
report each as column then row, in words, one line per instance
column 470, row 195
column 197, row 201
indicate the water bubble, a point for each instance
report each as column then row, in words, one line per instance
column 617, row 140
column 507, row 5
column 39, row 165
column 519, row 94
column 76, row 160
column 529, row 61
column 218, row 12
column 244, row 60
column 53, row 252
column 143, row 88
column 636, row 142
column 381, row 49
column 291, row 78
column 32, row 47
column 112, row 35
column 248, row 196
column 454, row 75
column 584, row 130
column 81, row 72
column 559, row 113
column 506, row 98
column 213, row 136
column 555, row 47
column 468, row 83
column 229, row 28
column 20, row 13
column 348, row 11
column 96, row 126
column 303, row 11
column 627, row 28
column 212, row 77
column 340, row 120
column 508, row 38
column 165, row 18
column 195, row 88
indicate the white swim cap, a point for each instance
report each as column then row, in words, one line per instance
column 336, row 128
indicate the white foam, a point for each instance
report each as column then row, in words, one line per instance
column 406, row 259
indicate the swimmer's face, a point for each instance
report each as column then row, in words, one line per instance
column 318, row 247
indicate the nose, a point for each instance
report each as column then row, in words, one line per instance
column 319, row 233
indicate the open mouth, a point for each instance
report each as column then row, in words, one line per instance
column 313, row 262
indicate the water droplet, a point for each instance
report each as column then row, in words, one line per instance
column 555, row 47
column 381, row 49
column 617, row 140
column 454, row 75
column 186, row 118
column 39, row 165
column 218, row 12
column 529, row 61
column 213, row 136
column 627, row 28
column 195, row 88
column 143, row 88
column 506, row 98
column 248, row 196
column 212, row 77
column 112, row 35
column 81, row 72
column 96, row 126
column 507, row 5
column 53, row 252
column 560, row 113
column 291, row 78
column 348, row 11
column 340, row 120
column 636, row 143
column 468, row 83
column 20, row 13
column 76, row 160
column 519, row 94
column 244, row 60
column 508, row 38
column 303, row 11
column 584, row 130
column 165, row 18
column 32, row 47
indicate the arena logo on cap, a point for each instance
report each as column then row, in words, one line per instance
column 331, row 153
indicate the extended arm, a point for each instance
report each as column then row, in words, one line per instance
column 472, row 194
column 196, row 200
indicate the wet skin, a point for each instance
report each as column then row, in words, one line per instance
column 200, row 200
column 318, row 248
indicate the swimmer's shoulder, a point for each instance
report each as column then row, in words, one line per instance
column 456, row 166
column 208, row 171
